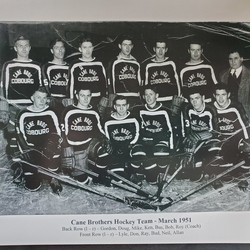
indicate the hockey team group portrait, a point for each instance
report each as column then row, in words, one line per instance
column 124, row 117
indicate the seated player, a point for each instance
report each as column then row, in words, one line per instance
column 80, row 126
column 123, row 131
column 149, row 155
column 39, row 138
column 233, row 125
column 200, row 124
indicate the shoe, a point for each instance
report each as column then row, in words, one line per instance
column 196, row 176
column 31, row 182
column 56, row 186
column 227, row 178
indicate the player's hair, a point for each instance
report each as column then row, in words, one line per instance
column 85, row 39
column 152, row 87
column 41, row 89
column 126, row 37
column 220, row 86
column 85, row 87
column 159, row 40
column 195, row 90
column 21, row 38
column 120, row 97
column 195, row 41
column 54, row 41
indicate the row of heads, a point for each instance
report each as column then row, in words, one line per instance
column 130, row 38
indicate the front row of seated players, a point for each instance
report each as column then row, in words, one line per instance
column 141, row 139
column 216, row 136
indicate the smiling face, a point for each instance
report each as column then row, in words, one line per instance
column 160, row 49
column 195, row 52
column 150, row 97
column 197, row 101
column 121, row 108
column 86, row 49
column 222, row 97
column 39, row 100
column 22, row 48
column 84, row 98
column 235, row 60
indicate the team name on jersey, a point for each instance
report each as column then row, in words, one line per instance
column 17, row 79
column 158, row 78
column 127, row 72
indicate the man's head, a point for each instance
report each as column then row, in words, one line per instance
column 57, row 48
column 121, row 105
column 83, row 96
column 39, row 99
column 160, row 49
column 196, row 98
column 221, row 95
column 150, row 95
column 86, row 48
column 22, row 47
column 195, row 50
column 235, row 59
column 126, row 45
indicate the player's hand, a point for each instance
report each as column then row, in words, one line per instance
column 107, row 145
column 53, row 146
column 191, row 140
column 176, row 104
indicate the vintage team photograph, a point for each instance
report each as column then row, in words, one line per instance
column 124, row 117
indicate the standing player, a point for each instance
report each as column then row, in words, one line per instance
column 197, row 72
column 56, row 73
column 160, row 72
column 87, row 71
column 237, row 78
column 80, row 125
column 123, row 131
column 200, row 125
column 124, row 73
column 21, row 77
column 156, row 137
column 38, row 135
column 233, row 125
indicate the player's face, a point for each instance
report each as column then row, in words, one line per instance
column 39, row 100
column 84, row 98
column 22, row 47
column 195, row 52
column 235, row 61
column 126, row 47
column 150, row 97
column 160, row 50
column 58, row 50
column 121, row 107
column 222, row 97
column 86, row 49
column 197, row 101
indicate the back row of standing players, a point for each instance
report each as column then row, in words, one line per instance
column 22, row 77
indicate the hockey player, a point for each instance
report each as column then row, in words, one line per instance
column 124, row 73
column 156, row 137
column 233, row 125
column 161, row 72
column 55, row 73
column 20, row 78
column 39, row 138
column 122, row 129
column 80, row 125
column 87, row 70
column 200, row 125
column 197, row 72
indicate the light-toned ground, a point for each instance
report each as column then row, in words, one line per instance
column 16, row 200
